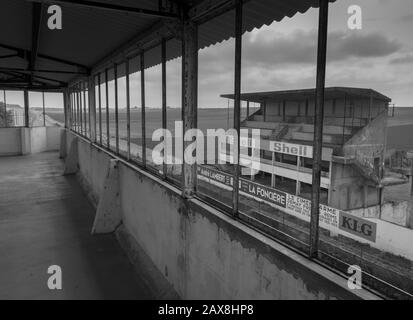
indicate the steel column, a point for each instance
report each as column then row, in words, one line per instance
column 100, row 109
column 44, row 110
column 92, row 108
column 143, row 117
column 5, row 108
column 318, row 127
column 237, row 103
column 127, row 107
column 26, row 108
column 163, row 49
column 190, row 100
column 115, row 68
column 107, row 109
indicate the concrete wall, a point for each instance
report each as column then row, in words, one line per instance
column 10, row 141
column 18, row 141
column 201, row 252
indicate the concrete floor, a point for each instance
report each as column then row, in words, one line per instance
column 45, row 219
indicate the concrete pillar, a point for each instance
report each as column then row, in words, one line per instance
column 190, row 99
column 108, row 213
column 92, row 108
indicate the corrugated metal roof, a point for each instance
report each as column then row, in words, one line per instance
column 90, row 34
column 302, row 94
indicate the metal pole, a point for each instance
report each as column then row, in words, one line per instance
column 344, row 119
column 85, row 112
column 79, row 96
column 127, row 106
column 107, row 109
column 92, row 108
column 5, row 108
column 26, row 108
column 100, row 109
column 163, row 48
column 115, row 69
column 318, row 126
column 44, row 111
column 190, row 100
column 248, row 110
column 237, row 103
column 143, row 109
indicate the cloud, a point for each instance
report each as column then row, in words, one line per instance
column 298, row 48
column 406, row 59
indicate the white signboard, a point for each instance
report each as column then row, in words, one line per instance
column 291, row 148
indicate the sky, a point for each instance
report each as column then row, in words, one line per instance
column 282, row 56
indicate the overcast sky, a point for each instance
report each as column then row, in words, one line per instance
column 282, row 56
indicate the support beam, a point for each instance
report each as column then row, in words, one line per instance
column 190, row 99
column 237, row 104
column 92, row 108
column 37, row 9
column 318, row 127
column 113, row 8
column 107, row 108
column 31, row 70
column 25, row 54
column 115, row 71
column 26, row 108
column 163, row 49
column 44, row 110
column 100, row 108
column 143, row 117
column 67, row 108
column 127, row 107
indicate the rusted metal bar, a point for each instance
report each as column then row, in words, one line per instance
column 190, row 100
column 164, row 115
column 115, row 69
column 127, row 107
column 92, row 108
column 318, row 127
column 107, row 109
column 5, row 108
column 100, row 109
column 79, row 101
column 143, row 119
column 237, row 104
column 26, row 108
column 44, row 110
column 85, row 111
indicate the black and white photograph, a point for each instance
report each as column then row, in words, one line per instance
column 204, row 155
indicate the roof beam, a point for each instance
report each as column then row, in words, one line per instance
column 42, row 71
column 36, row 18
column 25, row 54
column 114, row 7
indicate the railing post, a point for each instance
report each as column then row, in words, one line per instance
column 92, row 108
column 165, row 156
column 26, row 108
column 237, row 103
column 127, row 107
column 107, row 109
column 115, row 70
column 318, row 127
column 143, row 117
column 67, row 108
column 190, row 99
